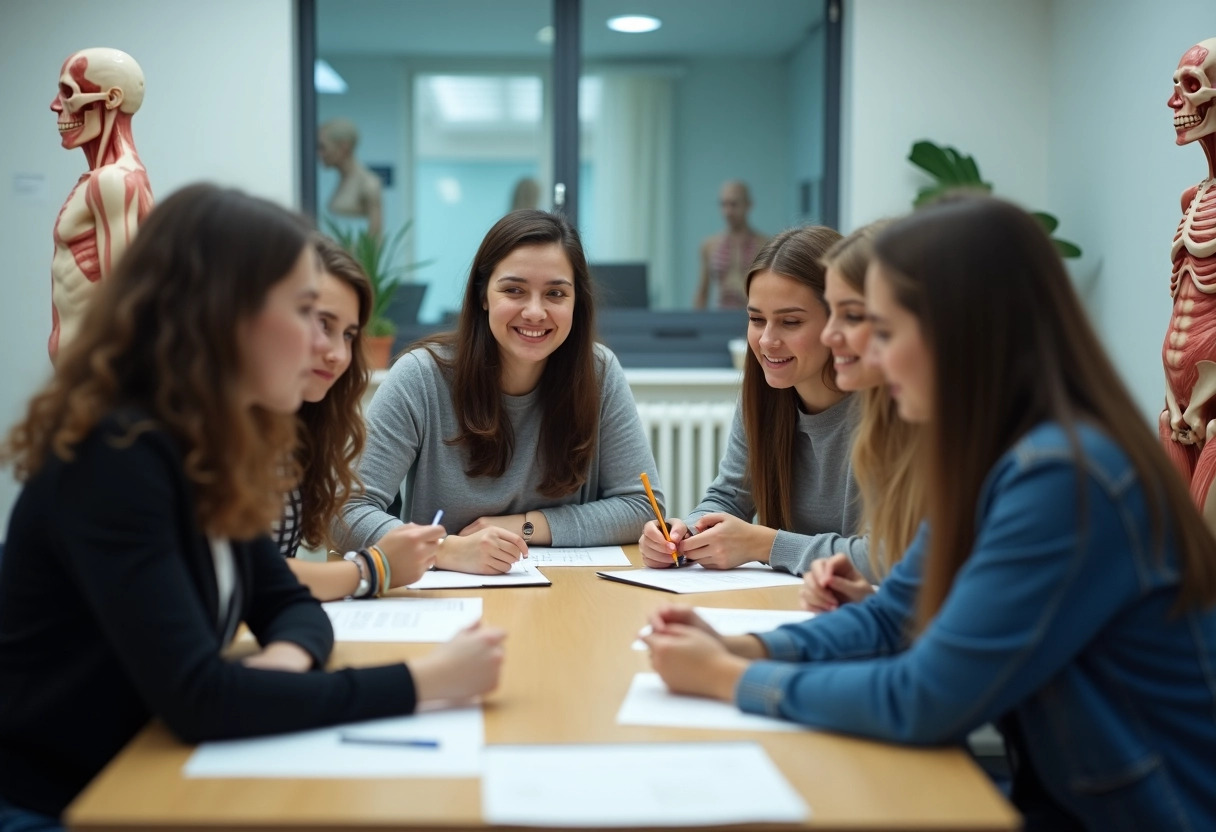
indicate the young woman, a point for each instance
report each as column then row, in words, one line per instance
column 517, row 425
column 331, row 437
column 1068, row 584
column 884, row 446
column 787, row 458
column 152, row 464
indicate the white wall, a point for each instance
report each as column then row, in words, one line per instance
column 1115, row 171
column 969, row 73
column 220, row 105
column 1062, row 102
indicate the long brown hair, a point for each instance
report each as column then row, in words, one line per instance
column 331, row 430
column 161, row 335
column 1011, row 348
column 569, row 386
column 770, row 416
column 884, row 455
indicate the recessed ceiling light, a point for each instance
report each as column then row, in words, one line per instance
column 545, row 35
column 634, row 23
column 326, row 79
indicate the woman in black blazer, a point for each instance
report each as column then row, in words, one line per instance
column 153, row 467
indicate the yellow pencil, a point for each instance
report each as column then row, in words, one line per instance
column 654, row 504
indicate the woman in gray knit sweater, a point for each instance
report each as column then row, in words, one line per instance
column 787, row 459
column 517, row 425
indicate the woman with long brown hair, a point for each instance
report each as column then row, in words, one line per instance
column 884, row 446
column 153, row 465
column 787, row 458
column 331, row 437
column 1065, row 584
column 517, row 425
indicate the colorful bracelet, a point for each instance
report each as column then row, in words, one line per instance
column 377, row 575
column 384, row 564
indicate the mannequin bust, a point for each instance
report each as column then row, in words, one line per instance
column 1188, row 423
column 726, row 256
column 358, row 191
column 99, row 90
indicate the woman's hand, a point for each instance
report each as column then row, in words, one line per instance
column 280, row 655
column 691, row 661
column 831, row 582
column 490, row 551
column 671, row 615
column 410, row 550
column 656, row 551
column 468, row 665
column 723, row 541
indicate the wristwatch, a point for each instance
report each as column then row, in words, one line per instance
column 526, row 531
column 361, row 591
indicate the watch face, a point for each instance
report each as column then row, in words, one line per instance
column 527, row 530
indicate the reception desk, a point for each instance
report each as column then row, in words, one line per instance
column 568, row 667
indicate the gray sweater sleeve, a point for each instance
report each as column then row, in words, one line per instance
column 393, row 437
column 619, row 508
column 825, row 504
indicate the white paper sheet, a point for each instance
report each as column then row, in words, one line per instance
column 737, row 622
column 660, row 784
column 648, row 702
column 697, row 578
column 457, row 732
column 402, row 619
column 571, row 556
column 522, row 573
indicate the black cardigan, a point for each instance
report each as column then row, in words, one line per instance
column 108, row 616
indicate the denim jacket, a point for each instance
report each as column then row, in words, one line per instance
column 1061, row 618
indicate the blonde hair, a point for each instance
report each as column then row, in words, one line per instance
column 885, row 447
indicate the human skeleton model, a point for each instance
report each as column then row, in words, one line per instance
column 358, row 192
column 99, row 91
column 1189, row 351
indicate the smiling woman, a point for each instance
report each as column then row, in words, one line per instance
column 518, row 425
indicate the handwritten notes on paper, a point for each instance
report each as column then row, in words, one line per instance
column 571, row 556
column 402, row 619
column 522, row 573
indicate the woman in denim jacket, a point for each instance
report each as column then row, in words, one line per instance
column 1067, row 587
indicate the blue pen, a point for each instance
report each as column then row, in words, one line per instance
column 401, row 742
column 438, row 517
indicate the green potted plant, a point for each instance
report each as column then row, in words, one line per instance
column 953, row 170
column 377, row 255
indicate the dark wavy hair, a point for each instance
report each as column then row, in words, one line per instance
column 569, row 385
column 1010, row 342
column 770, row 416
column 332, row 432
column 161, row 335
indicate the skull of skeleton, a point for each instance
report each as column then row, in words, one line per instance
column 92, row 81
column 1194, row 92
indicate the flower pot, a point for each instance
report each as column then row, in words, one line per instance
column 378, row 349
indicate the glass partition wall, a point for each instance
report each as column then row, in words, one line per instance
column 666, row 147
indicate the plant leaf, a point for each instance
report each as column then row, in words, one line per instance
column 933, row 160
column 1049, row 222
column 1065, row 248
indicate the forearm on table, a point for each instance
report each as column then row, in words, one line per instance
column 328, row 581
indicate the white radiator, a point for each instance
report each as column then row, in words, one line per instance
column 687, row 439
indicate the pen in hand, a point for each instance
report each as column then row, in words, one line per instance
column 654, row 504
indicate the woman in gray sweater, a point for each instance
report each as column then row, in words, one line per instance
column 517, row 425
column 787, row 458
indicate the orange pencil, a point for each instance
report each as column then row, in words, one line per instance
column 654, row 504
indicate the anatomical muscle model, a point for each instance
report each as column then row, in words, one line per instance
column 1189, row 352
column 99, row 90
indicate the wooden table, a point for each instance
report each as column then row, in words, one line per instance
column 568, row 666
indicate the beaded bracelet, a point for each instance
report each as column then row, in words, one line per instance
column 384, row 564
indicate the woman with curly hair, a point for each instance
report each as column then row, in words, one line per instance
column 331, row 435
column 154, row 462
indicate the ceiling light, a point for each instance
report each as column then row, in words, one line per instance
column 634, row 23
column 545, row 35
column 326, row 79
